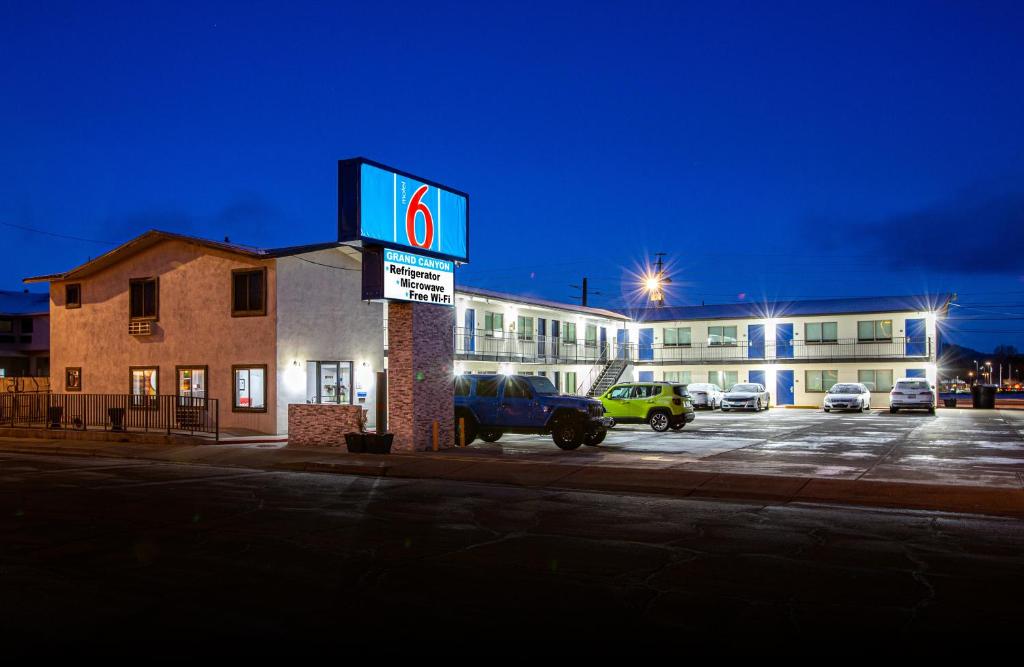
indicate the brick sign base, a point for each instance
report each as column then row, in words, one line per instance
column 314, row 425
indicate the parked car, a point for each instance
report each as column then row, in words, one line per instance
column 912, row 394
column 848, row 396
column 746, row 396
column 492, row 405
column 661, row 405
column 704, row 395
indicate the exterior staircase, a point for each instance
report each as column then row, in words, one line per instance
column 611, row 373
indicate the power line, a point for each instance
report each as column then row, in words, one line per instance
column 54, row 234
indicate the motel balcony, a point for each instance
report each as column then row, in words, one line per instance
column 850, row 349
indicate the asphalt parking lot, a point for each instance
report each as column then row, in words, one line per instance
column 953, row 447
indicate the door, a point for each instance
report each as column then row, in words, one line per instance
column 784, row 342
column 604, row 344
column 542, row 339
column 469, row 333
column 756, row 377
column 916, row 373
column 646, row 346
column 516, row 405
column 784, row 386
column 555, row 341
column 616, row 404
column 917, row 343
column 647, row 376
column 622, row 340
column 755, row 337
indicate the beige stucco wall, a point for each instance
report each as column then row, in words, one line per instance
column 195, row 327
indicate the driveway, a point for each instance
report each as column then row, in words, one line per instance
column 971, row 447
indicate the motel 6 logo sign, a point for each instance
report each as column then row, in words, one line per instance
column 417, row 208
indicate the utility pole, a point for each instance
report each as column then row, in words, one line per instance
column 584, row 292
column 657, row 286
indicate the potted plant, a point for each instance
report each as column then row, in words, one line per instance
column 356, row 441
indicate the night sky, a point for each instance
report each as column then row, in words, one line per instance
column 770, row 149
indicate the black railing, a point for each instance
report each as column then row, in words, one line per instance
column 112, row 412
column 896, row 348
column 502, row 346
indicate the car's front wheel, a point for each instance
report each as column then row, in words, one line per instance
column 567, row 434
column 490, row 435
column 759, row 408
column 659, row 421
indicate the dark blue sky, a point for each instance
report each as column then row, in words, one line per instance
column 771, row 149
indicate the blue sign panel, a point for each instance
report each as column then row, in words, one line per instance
column 380, row 205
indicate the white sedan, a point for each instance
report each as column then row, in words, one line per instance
column 848, row 396
column 705, row 395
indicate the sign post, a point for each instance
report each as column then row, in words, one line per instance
column 413, row 233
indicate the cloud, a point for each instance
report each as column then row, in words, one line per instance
column 974, row 233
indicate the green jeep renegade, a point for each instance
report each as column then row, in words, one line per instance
column 661, row 404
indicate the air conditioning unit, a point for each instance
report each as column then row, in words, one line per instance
column 140, row 328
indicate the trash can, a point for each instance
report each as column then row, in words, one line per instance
column 54, row 414
column 116, row 418
column 949, row 402
column 983, row 396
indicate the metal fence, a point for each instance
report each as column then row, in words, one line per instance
column 474, row 344
column 851, row 348
column 112, row 412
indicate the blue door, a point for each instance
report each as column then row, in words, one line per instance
column 755, row 336
column 556, row 341
column 622, row 338
column 784, row 386
column 542, row 339
column 469, row 334
column 916, row 373
column 917, row 342
column 784, row 342
column 646, row 376
column 756, row 376
column 604, row 344
column 646, row 345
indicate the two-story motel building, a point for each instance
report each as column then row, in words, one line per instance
column 167, row 314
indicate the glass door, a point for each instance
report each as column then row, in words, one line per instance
column 332, row 382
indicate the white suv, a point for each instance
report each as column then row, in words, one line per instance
column 912, row 394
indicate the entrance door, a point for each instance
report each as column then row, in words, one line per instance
column 756, row 377
column 469, row 334
column 784, row 342
column 784, row 387
column 755, row 336
column 622, row 339
column 542, row 339
column 916, row 338
column 646, row 345
column 604, row 344
column 333, row 382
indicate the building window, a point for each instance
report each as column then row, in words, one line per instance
column 821, row 332
column 570, row 383
column 820, row 381
column 524, row 328
column 6, row 330
column 681, row 377
column 192, row 381
column 145, row 386
column 143, row 298
column 570, row 335
column 590, row 334
column 494, row 324
column 248, row 292
column 73, row 295
column 73, row 379
column 250, row 388
column 880, row 381
column 677, row 336
column 722, row 335
column 873, row 330
column 724, row 379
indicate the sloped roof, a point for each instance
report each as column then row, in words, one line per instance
column 24, row 303
column 155, row 236
column 794, row 308
column 534, row 301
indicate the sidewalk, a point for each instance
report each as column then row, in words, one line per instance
column 477, row 466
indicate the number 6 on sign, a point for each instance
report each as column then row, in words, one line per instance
column 417, row 206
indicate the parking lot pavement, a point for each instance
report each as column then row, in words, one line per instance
column 953, row 447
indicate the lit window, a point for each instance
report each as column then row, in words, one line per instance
column 145, row 387
column 250, row 388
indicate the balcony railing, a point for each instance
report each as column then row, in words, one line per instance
column 489, row 346
column 745, row 351
column 111, row 412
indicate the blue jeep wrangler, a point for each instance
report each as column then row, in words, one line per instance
column 493, row 405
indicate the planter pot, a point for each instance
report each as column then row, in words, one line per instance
column 379, row 443
column 53, row 416
column 355, row 442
